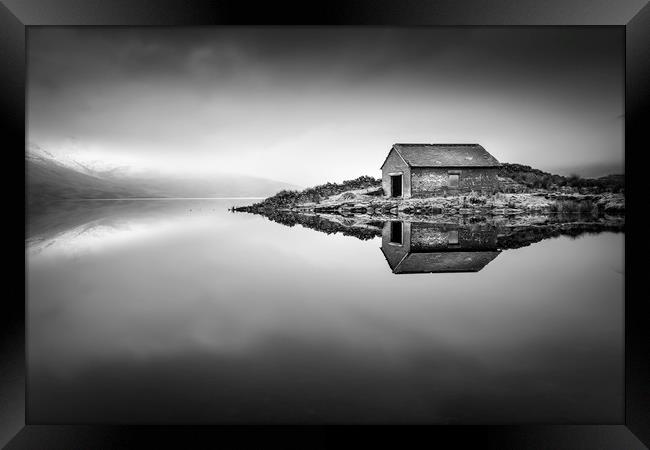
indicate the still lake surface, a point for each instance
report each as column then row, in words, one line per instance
column 179, row 311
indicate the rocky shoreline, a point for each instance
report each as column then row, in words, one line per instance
column 519, row 218
column 366, row 201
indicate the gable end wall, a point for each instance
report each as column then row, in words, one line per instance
column 395, row 164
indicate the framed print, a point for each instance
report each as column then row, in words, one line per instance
column 279, row 224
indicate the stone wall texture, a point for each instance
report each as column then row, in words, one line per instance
column 427, row 181
column 436, row 237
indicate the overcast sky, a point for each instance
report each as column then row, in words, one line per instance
column 310, row 105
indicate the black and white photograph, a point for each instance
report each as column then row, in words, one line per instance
column 325, row 225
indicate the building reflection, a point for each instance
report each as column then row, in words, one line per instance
column 420, row 247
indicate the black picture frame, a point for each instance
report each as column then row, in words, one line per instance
column 633, row 15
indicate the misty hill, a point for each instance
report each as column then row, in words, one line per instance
column 49, row 179
column 46, row 181
column 535, row 178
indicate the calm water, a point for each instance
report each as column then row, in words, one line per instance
column 177, row 311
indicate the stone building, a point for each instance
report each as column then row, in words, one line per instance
column 424, row 170
column 420, row 247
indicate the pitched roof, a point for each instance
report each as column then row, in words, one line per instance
column 445, row 155
column 440, row 262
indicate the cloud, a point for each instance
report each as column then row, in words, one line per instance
column 193, row 98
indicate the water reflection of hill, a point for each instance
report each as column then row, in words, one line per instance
column 425, row 234
column 48, row 221
column 510, row 231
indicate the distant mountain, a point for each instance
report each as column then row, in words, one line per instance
column 49, row 178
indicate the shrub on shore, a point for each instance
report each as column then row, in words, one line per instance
column 583, row 206
column 538, row 179
column 287, row 198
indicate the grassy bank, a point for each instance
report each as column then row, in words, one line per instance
column 524, row 189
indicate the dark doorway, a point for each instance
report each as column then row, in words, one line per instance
column 395, row 185
column 396, row 232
